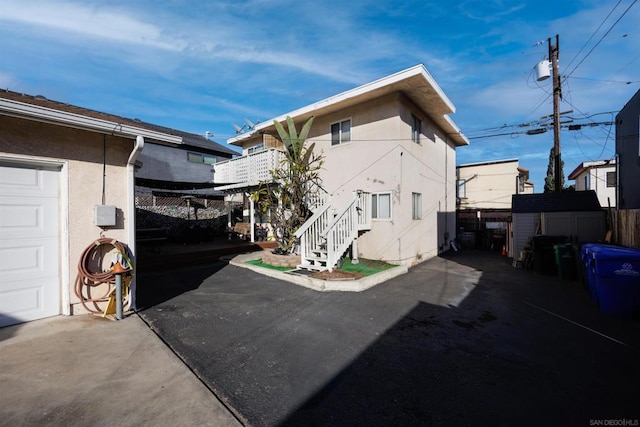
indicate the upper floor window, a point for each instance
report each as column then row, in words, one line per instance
column 520, row 184
column 255, row 148
column 587, row 182
column 611, row 179
column 416, row 128
column 207, row 159
column 341, row 132
column 381, row 206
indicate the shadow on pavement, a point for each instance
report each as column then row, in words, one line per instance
column 496, row 359
column 466, row 340
column 202, row 259
column 152, row 290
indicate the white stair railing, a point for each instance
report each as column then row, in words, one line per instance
column 311, row 242
column 341, row 232
column 324, row 239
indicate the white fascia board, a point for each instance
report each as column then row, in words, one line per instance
column 455, row 130
column 50, row 115
column 352, row 93
column 490, row 162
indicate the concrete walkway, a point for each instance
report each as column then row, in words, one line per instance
column 86, row 370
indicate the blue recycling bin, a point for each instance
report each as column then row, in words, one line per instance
column 586, row 255
column 615, row 272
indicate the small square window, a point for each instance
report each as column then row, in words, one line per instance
column 381, row 206
column 611, row 179
column 194, row 157
column 340, row 132
column 416, row 199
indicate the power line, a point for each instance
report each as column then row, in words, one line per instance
column 572, row 127
column 602, row 38
column 594, row 33
column 603, row 80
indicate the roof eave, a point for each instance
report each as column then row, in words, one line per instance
column 49, row 115
column 416, row 82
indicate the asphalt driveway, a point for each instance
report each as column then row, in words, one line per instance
column 465, row 340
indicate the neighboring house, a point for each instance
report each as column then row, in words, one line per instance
column 599, row 176
column 484, row 200
column 175, row 195
column 67, row 177
column 628, row 154
column 392, row 141
column 186, row 166
column 490, row 185
column 576, row 215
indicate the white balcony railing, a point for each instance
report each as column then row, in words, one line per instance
column 247, row 170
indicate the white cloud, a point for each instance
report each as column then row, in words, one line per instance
column 89, row 21
column 227, row 38
column 488, row 10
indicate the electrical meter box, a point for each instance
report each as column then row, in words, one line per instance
column 105, row 215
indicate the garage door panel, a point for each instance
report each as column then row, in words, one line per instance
column 29, row 243
column 22, row 217
column 27, row 300
column 28, row 258
column 28, row 181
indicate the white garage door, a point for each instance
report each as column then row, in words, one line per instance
column 29, row 243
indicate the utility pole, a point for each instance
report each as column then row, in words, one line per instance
column 557, row 95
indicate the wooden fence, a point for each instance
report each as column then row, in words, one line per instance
column 626, row 227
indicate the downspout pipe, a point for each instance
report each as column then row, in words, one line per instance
column 131, row 211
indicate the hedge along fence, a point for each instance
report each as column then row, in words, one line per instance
column 626, row 227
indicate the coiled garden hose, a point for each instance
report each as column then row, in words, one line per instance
column 87, row 281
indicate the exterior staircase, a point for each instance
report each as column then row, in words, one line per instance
column 325, row 237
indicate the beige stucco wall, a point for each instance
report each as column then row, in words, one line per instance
column 80, row 154
column 489, row 186
column 598, row 183
column 382, row 158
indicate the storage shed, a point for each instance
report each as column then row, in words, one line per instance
column 574, row 214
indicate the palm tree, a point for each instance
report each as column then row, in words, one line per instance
column 285, row 197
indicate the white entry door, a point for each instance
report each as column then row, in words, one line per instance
column 29, row 242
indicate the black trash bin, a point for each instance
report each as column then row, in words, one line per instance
column 544, row 254
column 565, row 261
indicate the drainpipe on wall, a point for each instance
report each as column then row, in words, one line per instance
column 131, row 209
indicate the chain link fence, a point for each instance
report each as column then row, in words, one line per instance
column 181, row 217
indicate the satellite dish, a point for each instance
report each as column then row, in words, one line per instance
column 249, row 124
column 238, row 128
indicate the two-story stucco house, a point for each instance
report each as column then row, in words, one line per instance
column 490, row 185
column 484, row 197
column 599, row 176
column 389, row 151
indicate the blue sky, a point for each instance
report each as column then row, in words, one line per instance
column 199, row 66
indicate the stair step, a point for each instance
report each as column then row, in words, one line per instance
column 312, row 267
column 315, row 258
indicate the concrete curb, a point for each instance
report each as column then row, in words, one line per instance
column 317, row 284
